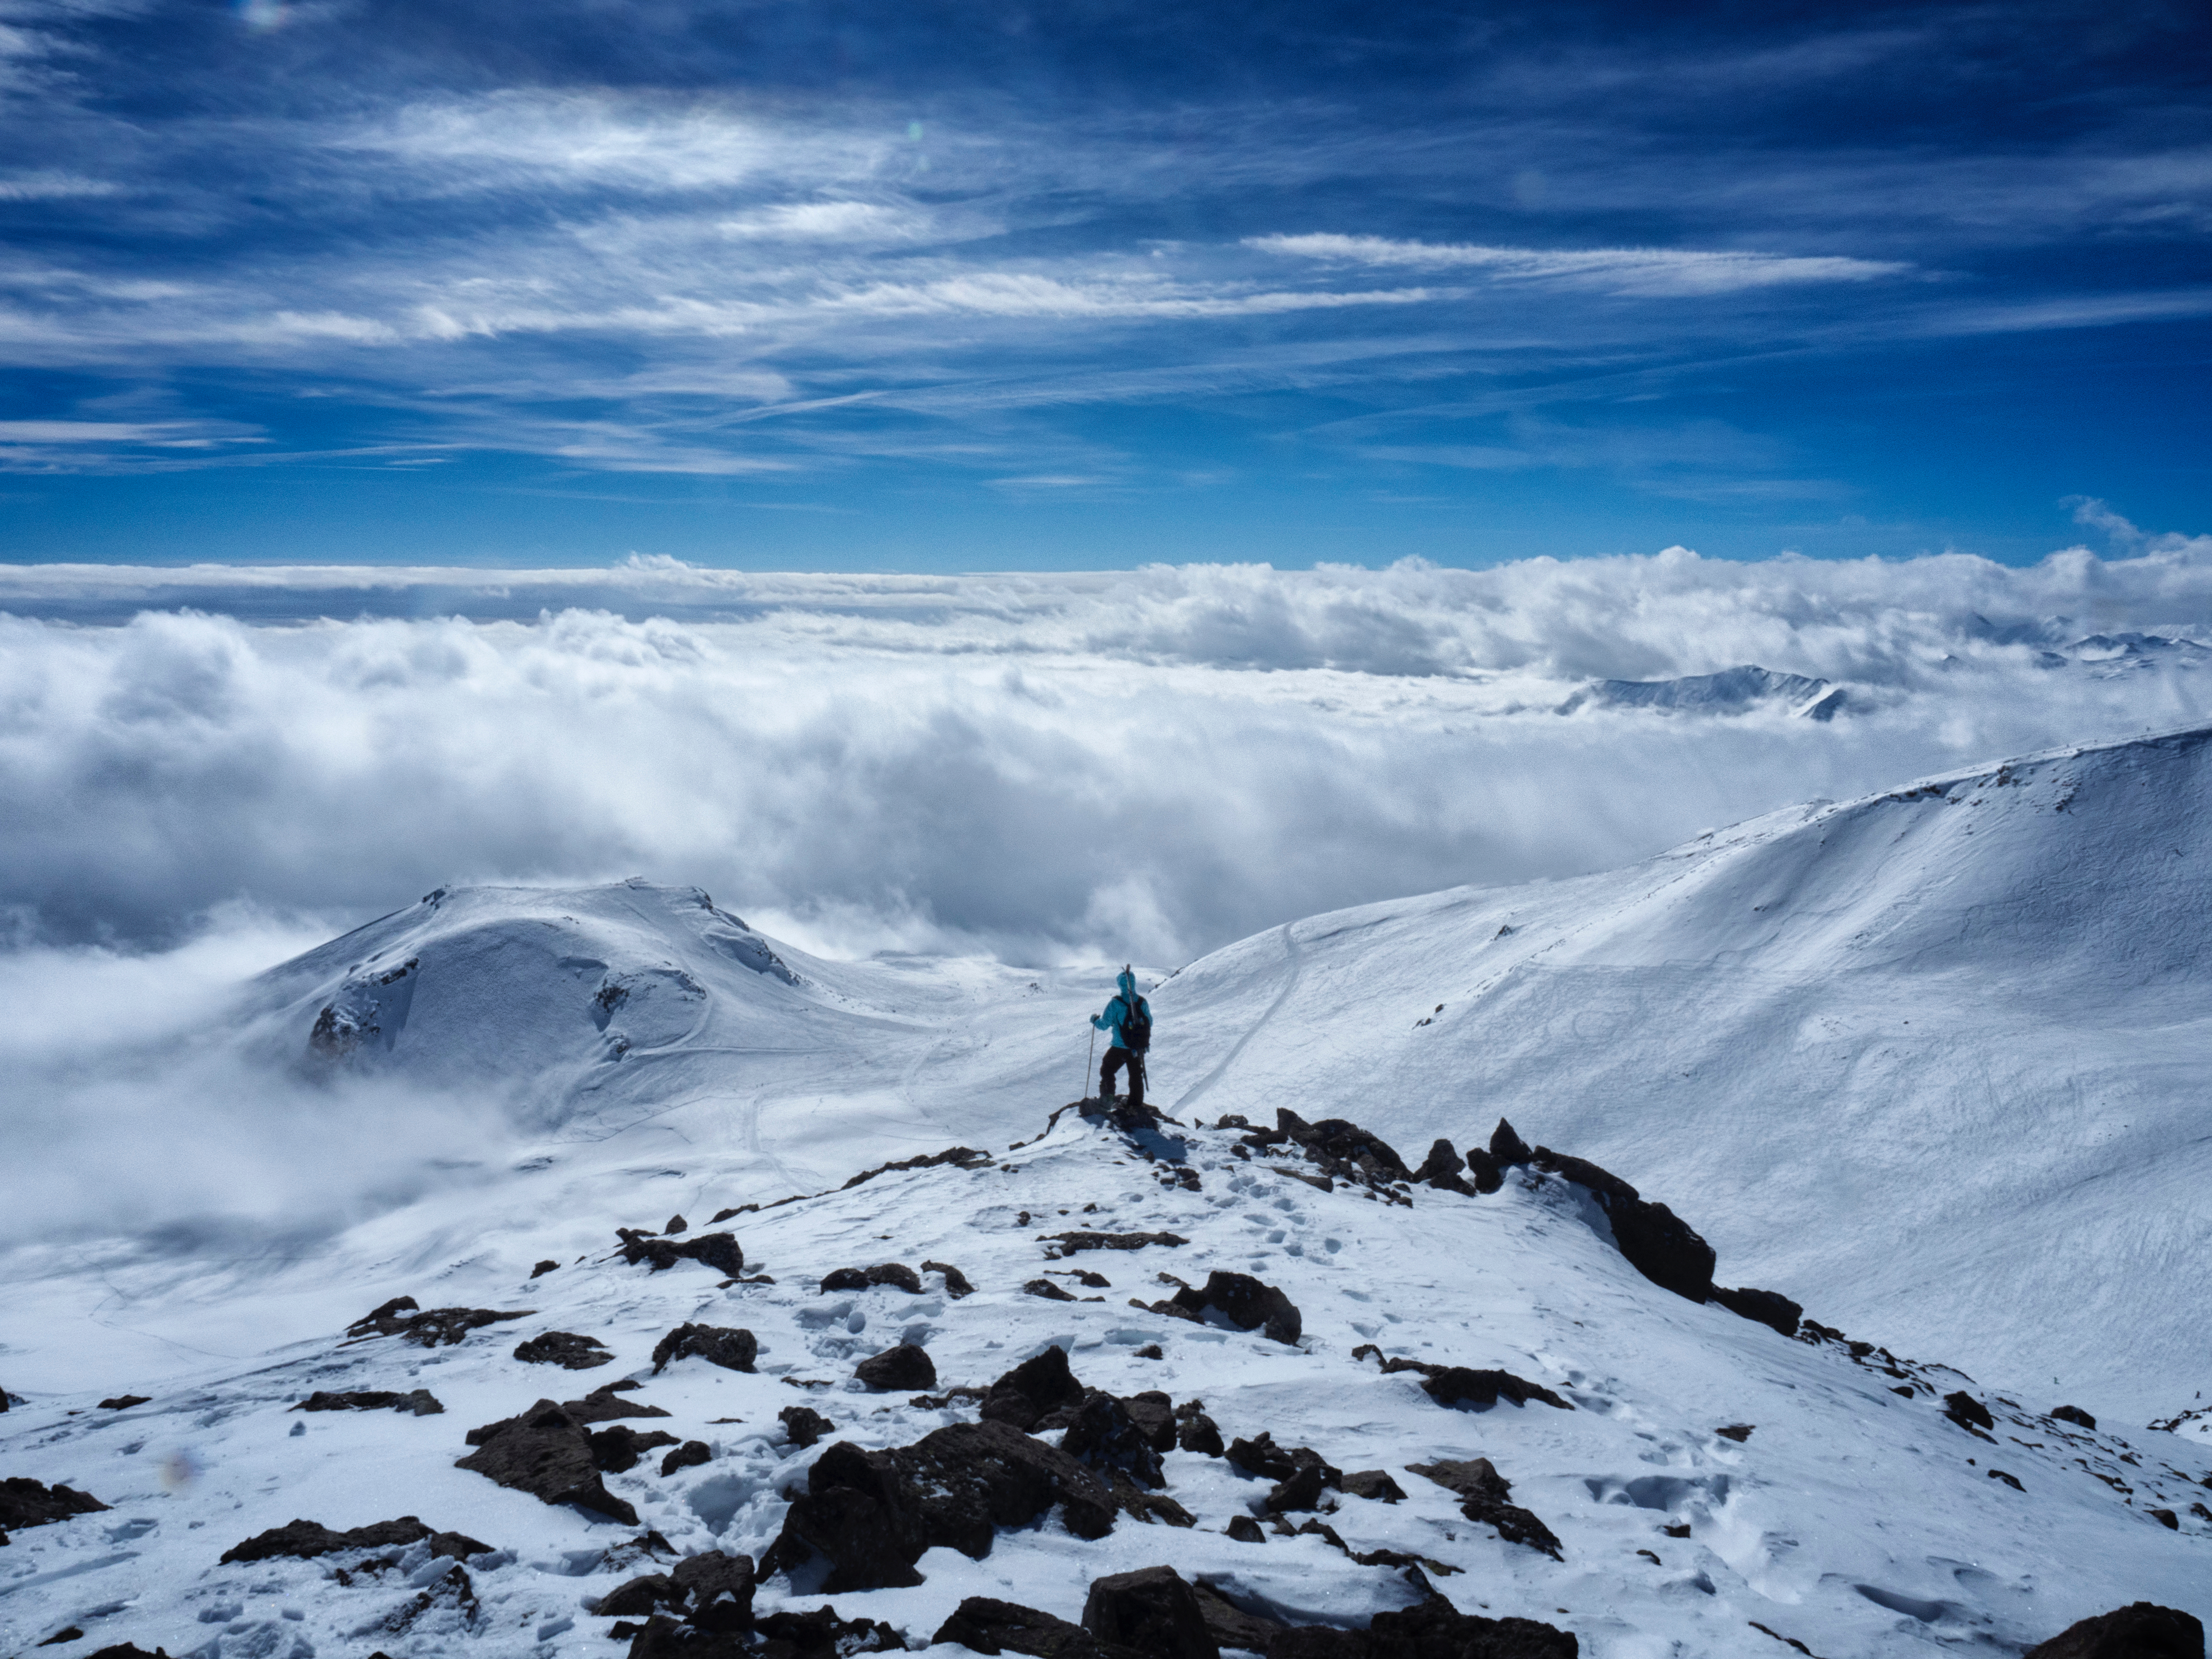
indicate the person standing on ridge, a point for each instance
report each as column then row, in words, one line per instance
column 1129, row 1018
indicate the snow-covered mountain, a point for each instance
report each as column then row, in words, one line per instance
column 1928, row 1063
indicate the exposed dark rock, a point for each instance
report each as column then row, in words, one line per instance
column 428, row 1330
column 1658, row 1243
column 712, row 1593
column 718, row 1589
column 822, row 1634
column 577, row 1353
column 1442, row 1167
column 1245, row 1530
column 844, row 1279
column 732, row 1349
column 309, row 1539
column 988, row 1627
column 1197, row 1432
column 1107, row 1439
column 1247, row 1303
column 615, row 1451
column 1344, row 1149
column 1152, row 1610
column 640, row 1598
column 2141, row 1630
column 1769, row 1308
column 545, row 1452
column 1457, row 1385
column 717, row 1250
column 1487, row 1174
column 1372, row 1483
column 66, row 1633
column 1229, row 1625
column 602, row 1404
column 1484, row 1492
column 648, row 1546
column 25, row 1503
column 545, row 1268
column 721, row 1216
column 1153, row 1412
column 1738, row 1432
column 897, row 1274
column 1039, row 1385
column 1300, row 1473
column 907, row 1366
column 1434, row 1630
column 132, row 1651
column 677, row 1224
column 421, row 1402
column 956, row 1282
column 803, row 1425
column 124, row 1402
column 1968, row 1412
column 966, row 1157
column 1507, row 1147
column 873, row 1514
column 690, row 1454
column 1048, row 1289
column 1072, row 1242
column 2074, row 1415
column 2013, row 1480
column 2166, row 1518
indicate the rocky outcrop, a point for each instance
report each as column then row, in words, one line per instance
column 1441, row 1169
column 25, row 1503
column 1435, row 1628
column 717, row 1250
column 1484, row 1493
column 419, row 1403
column 872, row 1514
column 956, row 1282
column 306, row 1539
column 1300, row 1473
column 1026, row 1394
column 1105, row 1437
column 617, row 1451
column 402, row 1318
column 1150, row 1610
column 985, row 1626
column 547, row 1453
column 566, row 1348
column 728, row 1346
column 1462, row 1385
column 1769, row 1308
column 2141, row 1630
column 1245, row 1302
column 906, row 1367
column 803, row 1424
column 689, row 1456
column 1069, row 1243
column 607, row 1402
column 1657, row 1243
column 2074, row 1414
column 895, row 1274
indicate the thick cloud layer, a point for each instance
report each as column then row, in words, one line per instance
column 1146, row 764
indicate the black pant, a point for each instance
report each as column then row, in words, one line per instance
column 1115, row 1060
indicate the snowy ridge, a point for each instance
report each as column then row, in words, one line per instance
column 1846, row 1510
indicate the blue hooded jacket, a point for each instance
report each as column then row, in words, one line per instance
column 1121, row 1008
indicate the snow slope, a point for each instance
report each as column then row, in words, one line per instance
column 1856, row 1518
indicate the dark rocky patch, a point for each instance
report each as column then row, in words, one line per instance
column 544, row 1268
column 648, row 1546
column 617, row 1451
column 1197, row 1432
column 1039, row 1385
column 896, row 1273
column 308, row 1539
column 25, row 1503
column 956, row 1282
column 1152, row 1610
column 732, row 1349
column 721, row 1216
column 872, row 1514
column 1070, row 1243
column 1434, row 1630
column 545, row 1452
column 605, row 1403
column 1153, row 1412
column 1455, row 1385
column 66, row 1633
column 1768, row 1308
column 2141, row 1630
column 1441, row 1169
column 677, row 1224
column 1487, row 1174
column 419, row 1402
column 709, row 1603
column 1375, row 1484
column 2013, row 1480
column 966, row 1157
column 565, row 1348
column 1658, row 1243
column 689, row 1456
column 1507, row 1146
column 124, row 1402
column 132, row 1651
column 907, row 1366
column 1300, row 1473
column 803, row 1424
column 2074, row 1415
column 1107, row 1439
column 1245, row 1303
column 1968, row 1412
column 989, row 1626
column 1048, row 1289
column 2166, row 1518
column 717, row 1250
column 1484, row 1493
column 1738, row 1432
column 428, row 1330
column 1245, row 1530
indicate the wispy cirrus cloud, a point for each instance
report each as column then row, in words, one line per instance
column 1638, row 270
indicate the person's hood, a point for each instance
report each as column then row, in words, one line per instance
column 1127, row 982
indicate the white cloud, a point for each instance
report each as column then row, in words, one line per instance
column 1637, row 270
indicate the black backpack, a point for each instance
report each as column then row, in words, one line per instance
column 1137, row 1028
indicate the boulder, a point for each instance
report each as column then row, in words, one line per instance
column 907, row 1366
column 1300, row 1473
column 124, row 1402
column 711, row 1597
column 1247, row 1303
column 1153, row 1412
column 2074, row 1415
column 2141, row 1630
column 1245, row 1530
column 677, row 1224
column 1344, row 1149
column 1441, row 1169
column 821, row 1634
column 305, row 1540
column 803, row 1425
column 578, row 1353
column 605, row 1403
column 1507, row 1147
column 690, row 1454
column 545, row 1452
column 402, row 1318
column 543, row 1267
column 1105, row 1437
column 640, row 1598
column 1487, row 1174
column 1658, row 1243
column 1197, row 1432
column 1434, row 1627
column 717, row 1250
column 421, row 1402
column 1968, row 1412
column 956, row 1282
column 25, row 1503
column 732, row 1349
column 896, row 1274
column 615, row 1451
column 1048, row 1289
column 873, row 1513
column 1769, row 1308
column 1229, row 1625
column 1461, row 1385
column 1152, row 1610
column 1070, row 1243
column 1375, row 1484
column 1040, row 1384
column 1484, row 1493
column 988, row 1627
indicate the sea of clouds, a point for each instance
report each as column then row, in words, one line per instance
column 205, row 770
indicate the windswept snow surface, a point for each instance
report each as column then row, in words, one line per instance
column 1930, row 1062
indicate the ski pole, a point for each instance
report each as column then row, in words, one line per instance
column 1089, row 1048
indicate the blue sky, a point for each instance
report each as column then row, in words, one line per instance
column 1067, row 285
